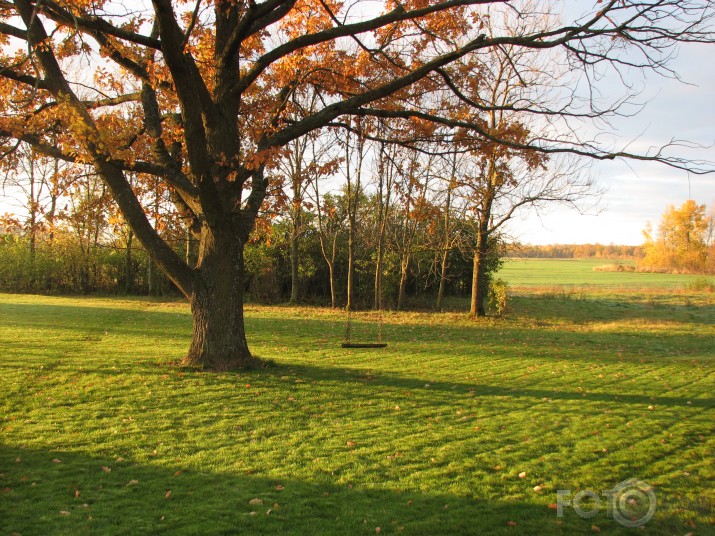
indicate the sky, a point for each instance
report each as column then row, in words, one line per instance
column 637, row 192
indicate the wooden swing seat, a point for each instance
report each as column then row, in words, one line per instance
column 364, row 344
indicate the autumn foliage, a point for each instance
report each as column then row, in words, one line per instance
column 684, row 240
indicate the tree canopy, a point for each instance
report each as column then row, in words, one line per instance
column 683, row 240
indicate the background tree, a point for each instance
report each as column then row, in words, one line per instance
column 683, row 239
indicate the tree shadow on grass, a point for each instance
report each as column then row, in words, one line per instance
column 47, row 492
column 381, row 380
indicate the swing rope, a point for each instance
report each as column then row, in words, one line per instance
column 348, row 332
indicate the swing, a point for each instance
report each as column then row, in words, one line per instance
column 348, row 333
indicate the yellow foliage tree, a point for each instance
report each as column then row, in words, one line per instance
column 683, row 242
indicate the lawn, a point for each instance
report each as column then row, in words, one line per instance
column 457, row 427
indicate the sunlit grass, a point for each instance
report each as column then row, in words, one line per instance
column 101, row 434
column 580, row 273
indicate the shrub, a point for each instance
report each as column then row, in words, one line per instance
column 702, row 284
column 498, row 296
column 615, row 268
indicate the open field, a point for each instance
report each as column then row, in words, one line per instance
column 456, row 428
column 581, row 273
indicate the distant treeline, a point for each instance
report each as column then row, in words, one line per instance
column 576, row 251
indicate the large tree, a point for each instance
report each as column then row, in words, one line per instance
column 198, row 94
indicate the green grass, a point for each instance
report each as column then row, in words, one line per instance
column 100, row 434
column 581, row 273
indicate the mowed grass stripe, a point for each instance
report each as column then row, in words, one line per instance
column 428, row 436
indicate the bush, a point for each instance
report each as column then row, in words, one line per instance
column 615, row 267
column 702, row 284
column 498, row 296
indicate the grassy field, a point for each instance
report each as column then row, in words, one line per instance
column 580, row 273
column 456, row 428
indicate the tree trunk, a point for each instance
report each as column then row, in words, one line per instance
column 403, row 282
column 219, row 337
column 128, row 271
column 479, row 283
column 377, row 300
column 442, row 279
column 332, row 285
column 351, row 263
column 447, row 237
column 294, row 259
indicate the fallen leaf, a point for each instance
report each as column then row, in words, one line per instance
column 106, row 469
column 351, row 444
column 553, row 506
column 64, row 513
column 511, row 523
column 522, row 474
column 132, row 483
column 538, row 488
column 256, row 501
column 595, row 528
column 76, row 493
column 55, row 460
column 378, row 530
column 167, row 494
column 279, row 487
column 6, row 490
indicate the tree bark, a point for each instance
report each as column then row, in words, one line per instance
column 332, row 284
column 294, row 257
column 442, row 279
column 128, row 271
column 219, row 337
column 403, row 282
column 479, row 282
